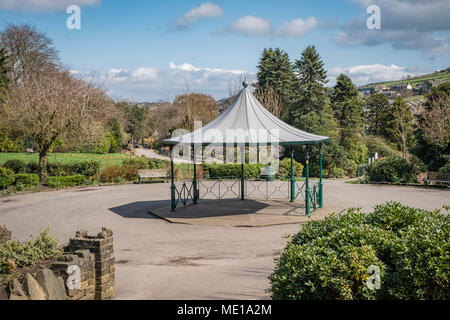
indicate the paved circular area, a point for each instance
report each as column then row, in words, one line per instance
column 161, row 260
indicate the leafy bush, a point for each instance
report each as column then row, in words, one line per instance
column 232, row 170
column 15, row 254
column 16, row 165
column 445, row 169
column 284, row 169
column 330, row 259
column 66, row 181
column 27, row 179
column 391, row 169
column 158, row 164
column 118, row 173
column 141, row 163
column 6, row 177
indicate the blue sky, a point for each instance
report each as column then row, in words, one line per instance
column 147, row 50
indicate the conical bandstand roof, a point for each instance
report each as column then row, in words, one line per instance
column 247, row 122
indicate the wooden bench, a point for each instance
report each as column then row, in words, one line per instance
column 153, row 173
column 438, row 178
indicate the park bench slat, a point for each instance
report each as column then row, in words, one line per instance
column 437, row 177
column 152, row 173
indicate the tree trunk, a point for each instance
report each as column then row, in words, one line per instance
column 43, row 166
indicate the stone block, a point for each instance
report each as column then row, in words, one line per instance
column 35, row 291
column 54, row 287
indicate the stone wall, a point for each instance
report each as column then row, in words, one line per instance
column 101, row 246
column 86, row 271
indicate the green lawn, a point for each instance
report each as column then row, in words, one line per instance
column 106, row 159
column 443, row 76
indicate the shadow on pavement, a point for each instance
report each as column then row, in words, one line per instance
column 139, row 209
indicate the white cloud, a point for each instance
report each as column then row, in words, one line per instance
column 364, row 74
column 206, row 10
column 150, row 84
column 189, row 67
column 297, row 27
column 251, row 26
column 42, row 5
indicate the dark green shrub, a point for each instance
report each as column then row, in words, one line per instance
column 232, row 170
column 330, row 259
column 27, row 179
column 391, row 169
column 15, row 254
column 89, row 168
column 445, row 169
column 16, row 165
column 66, row 181
column 284, row 169
column 158, row 164
column 6, row 177
column 32, row 167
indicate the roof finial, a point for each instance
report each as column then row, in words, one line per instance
column 245, row 84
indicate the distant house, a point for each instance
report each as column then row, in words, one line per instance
column 380, row 88
column 423, row 87
column 366, row 90
column 399, row 87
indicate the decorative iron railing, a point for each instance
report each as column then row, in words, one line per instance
column 314, row 196
column 230, row 188
column 184, row 193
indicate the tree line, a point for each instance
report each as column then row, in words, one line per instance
column 358, row 126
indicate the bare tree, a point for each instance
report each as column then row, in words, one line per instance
column 436, row 120
column 270, row 99
column 55, row 106
column 29, row 52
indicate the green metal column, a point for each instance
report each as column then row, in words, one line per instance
column 242, row 172
column 292, row 176
column 320, row 182
column 307, row 204
column 172, row 186
column 194, row 182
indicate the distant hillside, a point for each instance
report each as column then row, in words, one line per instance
column 441, row 76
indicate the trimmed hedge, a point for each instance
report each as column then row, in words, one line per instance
column 331, row 259
column 391, row 169
column 27, row 179
column 66, row 181
column 232, row 170
column 88, row 168
column 6, row 177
